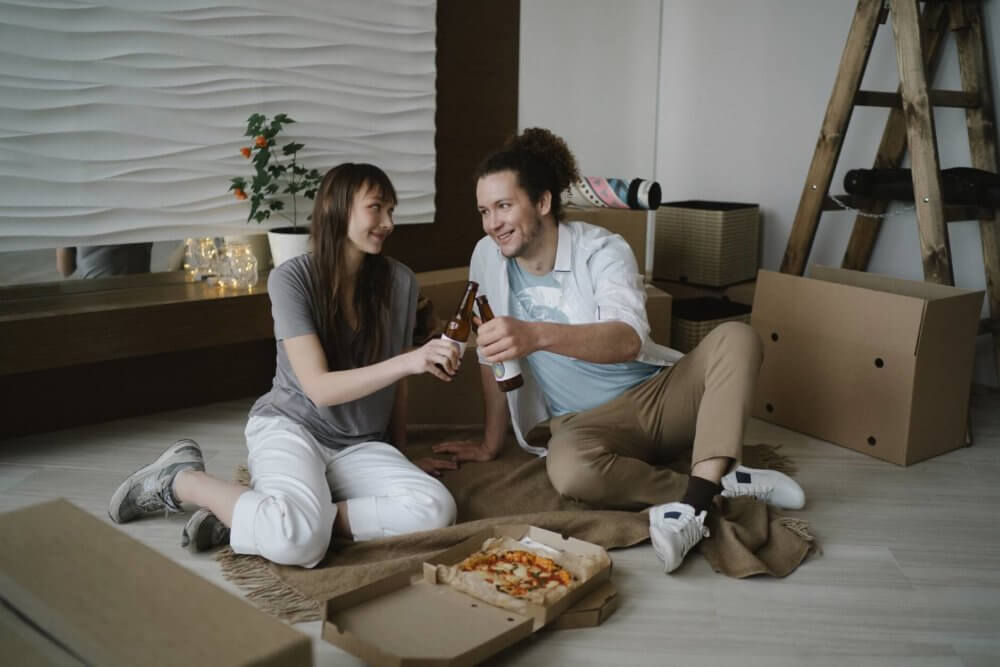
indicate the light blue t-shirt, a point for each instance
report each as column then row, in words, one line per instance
column 569, row 385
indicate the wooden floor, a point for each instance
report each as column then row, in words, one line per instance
column 909, row 575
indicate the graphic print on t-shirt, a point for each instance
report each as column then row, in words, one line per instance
column 568, row 384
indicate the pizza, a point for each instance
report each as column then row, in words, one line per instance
column 512, row 575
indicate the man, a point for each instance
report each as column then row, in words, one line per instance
column 569, row 302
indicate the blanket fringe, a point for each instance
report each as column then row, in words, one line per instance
column 768, row 456
column 265, row 590
column 801, row 528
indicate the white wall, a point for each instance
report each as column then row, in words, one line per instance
column 743, row 89
column 588, row 72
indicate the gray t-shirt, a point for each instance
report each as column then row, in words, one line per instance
column 292, row 293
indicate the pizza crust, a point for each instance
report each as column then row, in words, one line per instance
column 474, row 583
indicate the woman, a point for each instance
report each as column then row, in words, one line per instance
column 319, row 464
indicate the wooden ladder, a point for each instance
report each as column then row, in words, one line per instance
column 911, row 122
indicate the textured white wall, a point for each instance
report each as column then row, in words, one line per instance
column 124, row 121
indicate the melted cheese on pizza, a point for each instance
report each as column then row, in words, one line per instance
column 517, row 573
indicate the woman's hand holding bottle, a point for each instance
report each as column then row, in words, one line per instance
column 438, row 356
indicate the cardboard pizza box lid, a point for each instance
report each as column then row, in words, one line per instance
column 410, row 619
column 77, row 591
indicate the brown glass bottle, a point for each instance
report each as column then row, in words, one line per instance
column 507, row 373
column 460, row 325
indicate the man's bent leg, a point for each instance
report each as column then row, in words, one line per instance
column 602, row 458
column 707, row 398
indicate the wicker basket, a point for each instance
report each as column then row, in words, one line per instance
column 707, row 243
column 693, row 319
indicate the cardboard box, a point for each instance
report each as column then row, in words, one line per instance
column 632, row 225
column 83, row 592
column 876, row 364
column 402, row 620
column 589, row 612
column 460, row 402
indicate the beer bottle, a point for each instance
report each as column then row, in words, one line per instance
column 460, row 325
column 507, row 373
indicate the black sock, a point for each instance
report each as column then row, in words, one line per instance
column 700, row 492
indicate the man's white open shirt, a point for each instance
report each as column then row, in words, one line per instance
column 601, row 283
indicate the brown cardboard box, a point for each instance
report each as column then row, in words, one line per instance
column 589, row 612
column 403, row 621
column 876, row 364
column 460, row 402
column 630, row 224
column 83, row 592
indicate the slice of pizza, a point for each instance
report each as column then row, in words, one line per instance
column 513, row 575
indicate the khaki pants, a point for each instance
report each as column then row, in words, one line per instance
column 612, row 456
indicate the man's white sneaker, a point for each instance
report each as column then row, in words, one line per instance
column 674, row 529
column 771, row 486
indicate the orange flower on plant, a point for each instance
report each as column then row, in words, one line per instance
column 246, row 152
column 260, row 141
column 239, row 194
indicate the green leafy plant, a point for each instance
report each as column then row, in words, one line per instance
column 276, row 178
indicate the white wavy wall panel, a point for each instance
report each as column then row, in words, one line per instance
column 124, row 120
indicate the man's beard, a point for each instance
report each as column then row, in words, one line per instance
column 529, row 239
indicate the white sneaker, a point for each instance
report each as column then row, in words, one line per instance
column 771, row 486
column 674, row 529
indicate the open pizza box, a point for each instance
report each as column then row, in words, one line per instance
column 415, row 619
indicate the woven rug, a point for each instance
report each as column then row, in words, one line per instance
column 747, row 537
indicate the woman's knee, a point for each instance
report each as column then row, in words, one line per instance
column 441, row 510
column 419, row 505
column 290, row 534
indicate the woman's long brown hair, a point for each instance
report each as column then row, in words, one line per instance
column 373, row 284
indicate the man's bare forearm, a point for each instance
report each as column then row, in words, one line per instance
column 601, row 342
column 495, row 427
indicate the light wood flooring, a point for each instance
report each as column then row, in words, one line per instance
column 909, row 574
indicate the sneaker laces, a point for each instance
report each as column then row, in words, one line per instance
column 761, row 491
column 691, row 531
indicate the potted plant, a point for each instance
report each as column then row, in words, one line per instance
column 277, row 184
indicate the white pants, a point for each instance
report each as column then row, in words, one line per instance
column 287, row 516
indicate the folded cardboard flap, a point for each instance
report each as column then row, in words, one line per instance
column 410, row 619
column 589, row 612
column 108, row 600
column 873, row 363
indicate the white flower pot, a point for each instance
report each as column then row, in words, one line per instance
column 288, row 242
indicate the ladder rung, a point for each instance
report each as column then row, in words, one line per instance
column 952, row 213
column 939, row 98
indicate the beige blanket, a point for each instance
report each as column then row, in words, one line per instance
column 747, row 537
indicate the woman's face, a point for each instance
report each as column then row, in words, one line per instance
column 370, row 222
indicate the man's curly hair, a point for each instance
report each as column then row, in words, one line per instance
column 541, row 161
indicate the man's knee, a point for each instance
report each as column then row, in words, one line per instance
column 574, row 474
column 739, row 339
column 295, row 535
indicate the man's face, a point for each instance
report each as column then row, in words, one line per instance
column 509, row 216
